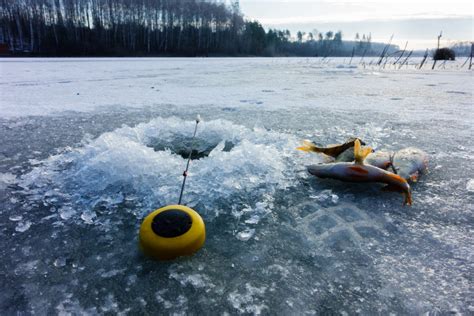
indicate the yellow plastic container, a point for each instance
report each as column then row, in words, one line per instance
column 172, row 231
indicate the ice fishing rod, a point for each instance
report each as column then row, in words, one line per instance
column 185, row 173
column 173, row 230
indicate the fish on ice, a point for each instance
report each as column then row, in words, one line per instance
column 357, row 171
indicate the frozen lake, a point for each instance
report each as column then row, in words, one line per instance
column 88, row 147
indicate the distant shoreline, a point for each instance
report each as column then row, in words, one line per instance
column 415, row 54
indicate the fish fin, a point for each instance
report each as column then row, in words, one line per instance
column 361, row 141
column 414, row 177
column 352, row 139
column 360, row 153
column 303, row 148
column 308, row 146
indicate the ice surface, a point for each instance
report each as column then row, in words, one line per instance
column 44, row 86
column 6, row 179
column 245, row 302
column 470, row 185
column 79, row 172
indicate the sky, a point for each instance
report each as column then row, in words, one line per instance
column 418, row 22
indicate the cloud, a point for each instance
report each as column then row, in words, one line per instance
column 360, row 18
column 417, row 21
column 298, row 11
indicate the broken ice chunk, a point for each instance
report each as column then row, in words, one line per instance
column 88, row 217
column 23, row 226
column 246, row 234
column 15, row 218
column 59, row 262
column 66, row 212
column 470, row 185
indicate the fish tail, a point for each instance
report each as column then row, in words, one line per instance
column 408, row 201
column 396, row 183
column 308, row 146
column 359, row 152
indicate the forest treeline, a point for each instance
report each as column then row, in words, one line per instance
column 155, row 28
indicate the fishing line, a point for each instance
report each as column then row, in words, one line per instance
column 185, row 173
